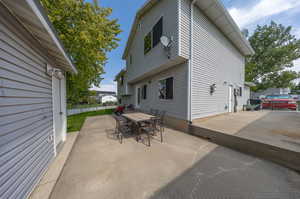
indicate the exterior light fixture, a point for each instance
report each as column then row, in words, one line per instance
column 213, row 88
column 58, row 73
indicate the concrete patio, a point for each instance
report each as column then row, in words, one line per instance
column 183, row 166
column 272, row 135
column 277, row 128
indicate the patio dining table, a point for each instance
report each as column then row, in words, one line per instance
column 138, row 118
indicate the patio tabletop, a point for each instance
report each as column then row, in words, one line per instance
column 138, row 117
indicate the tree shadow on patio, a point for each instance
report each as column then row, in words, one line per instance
column 225, row 173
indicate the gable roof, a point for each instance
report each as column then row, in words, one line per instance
column 32, row 16
column 215, row 11
column 122, row 72
column 145, row 8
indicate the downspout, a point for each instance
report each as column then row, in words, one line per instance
column 190, row 63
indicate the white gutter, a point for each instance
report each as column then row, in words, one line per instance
column 36, row 8
column 190, row 63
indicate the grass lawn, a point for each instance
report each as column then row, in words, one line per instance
column 75, row 122
column 83, row 106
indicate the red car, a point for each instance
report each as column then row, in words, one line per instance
column 279, row 102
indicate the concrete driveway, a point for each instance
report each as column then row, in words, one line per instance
column 276, row 128
column 182, row 167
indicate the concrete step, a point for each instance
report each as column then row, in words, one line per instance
column 285, row 157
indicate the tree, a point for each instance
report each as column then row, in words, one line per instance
column 296, row 88
column 87, row 34
column 275, row 50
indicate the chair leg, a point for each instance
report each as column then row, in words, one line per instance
column 121, row 138
column 149, row 137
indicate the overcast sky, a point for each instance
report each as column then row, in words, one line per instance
column 247, row 14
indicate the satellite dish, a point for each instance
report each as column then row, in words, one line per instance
column 165, row 41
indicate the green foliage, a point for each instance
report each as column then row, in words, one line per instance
column 88, row 34
column 110, row 103
column 75, row 122
column 296, row 88
column 275, row 50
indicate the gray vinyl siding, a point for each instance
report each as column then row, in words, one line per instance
column 215, row 61
column 120, row 89
column 26, row 117
column 156, row 57
column 125, row 88
column 177, row 107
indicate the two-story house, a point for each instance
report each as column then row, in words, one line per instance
column 200, row 74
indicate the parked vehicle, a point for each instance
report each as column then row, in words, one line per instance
column 279, row 102
column 296, row 97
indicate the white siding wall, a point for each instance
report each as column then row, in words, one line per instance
column 184, row 21
column 26, row 121
column 246, row 94
column 168, row 9
column 215, row 61
column 178, row 106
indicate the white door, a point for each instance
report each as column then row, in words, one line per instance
column 230, row 99
column 138, row 97
column 59, row 110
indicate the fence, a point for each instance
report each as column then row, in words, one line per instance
column 83, row 110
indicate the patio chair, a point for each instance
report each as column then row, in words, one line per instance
column 122, row 127
column 157, row 123
column 161, row 121
column 149, row 130
column 153, row 111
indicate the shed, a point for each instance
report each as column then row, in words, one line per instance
column 33, row 64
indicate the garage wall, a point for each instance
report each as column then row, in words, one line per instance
column 26, row 120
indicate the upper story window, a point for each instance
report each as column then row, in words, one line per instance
column 147, row 42
column 140, row 26
column 153, row 37
column 157, row 32
column 130, row 59
column 166, row 88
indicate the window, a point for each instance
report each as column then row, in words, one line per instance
column 130, row 59
column 157, row 32
column 122, row 80
column 153, row 37
column 139, row 96
column 147, row 42
column 241, row 90
column 166, row 88
column 144, row 92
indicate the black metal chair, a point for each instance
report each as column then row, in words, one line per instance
column 153, row 111
column 160, row 123
column 122, row 127
column 147, row 130
column 156, row 124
